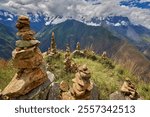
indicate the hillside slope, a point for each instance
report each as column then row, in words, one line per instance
column 108, row 79
column 99, row 39
column 134, row 61
column 71, row 32
column 7, row 41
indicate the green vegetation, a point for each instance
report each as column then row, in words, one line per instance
column 146, row 39
column 107, row 76
column 7, row 72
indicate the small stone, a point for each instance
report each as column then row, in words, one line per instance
column 67, row 96
column 77, row 92
column 64, row 86
column 78, row 87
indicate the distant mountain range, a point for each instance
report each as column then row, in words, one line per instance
column 99, row 39
column 122, row 40
column 119, row 26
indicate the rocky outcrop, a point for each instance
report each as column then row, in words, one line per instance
column 28, row 59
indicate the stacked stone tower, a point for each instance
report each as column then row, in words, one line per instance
column 82, row 85
column 78, row 46
column 28, row 59
column 52, row 50
column 70, row 66
column 128, row 90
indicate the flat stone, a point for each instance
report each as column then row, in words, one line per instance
column 85, row 75
column 27, row 44
column 77, row 92
column 67, row 96
column 83, row 83
column 23, row 54
column 33, row 62
column 78, row 87
column 23, row 84
column 64, row 86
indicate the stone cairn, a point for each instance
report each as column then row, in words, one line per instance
column 70, row 66
column 28, row 59
column 82, row 85
column 78, row 46
column 52, row 51
column 104, row 55
column 129, row 91
column 77, row 51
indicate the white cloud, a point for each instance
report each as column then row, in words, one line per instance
column 78, row 9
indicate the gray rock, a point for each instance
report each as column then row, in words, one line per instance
column 54, row 92
column 120, row 96
column 26, row 44
column 117, row 96
column 95, row 93
column 51, row 76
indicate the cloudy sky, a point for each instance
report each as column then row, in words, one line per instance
column 138, row 11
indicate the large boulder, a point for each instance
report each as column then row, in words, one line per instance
column 23, row 83
column 42, row 92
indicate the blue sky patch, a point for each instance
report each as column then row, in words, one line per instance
column 136, row 3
